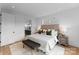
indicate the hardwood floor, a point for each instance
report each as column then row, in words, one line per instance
column 69, row 50
column 5, row 50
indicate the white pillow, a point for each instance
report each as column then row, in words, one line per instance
column 54, row 33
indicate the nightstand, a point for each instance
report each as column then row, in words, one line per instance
column 63, row 39
column 27, row 32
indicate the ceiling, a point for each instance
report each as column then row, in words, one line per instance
column 36, row 9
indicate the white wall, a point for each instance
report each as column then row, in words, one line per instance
column 70, row 20
column 35, row 24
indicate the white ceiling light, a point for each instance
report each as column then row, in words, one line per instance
column 13, row 6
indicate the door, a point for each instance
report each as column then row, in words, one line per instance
column 7, row 35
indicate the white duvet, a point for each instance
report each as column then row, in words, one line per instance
column 47, row 42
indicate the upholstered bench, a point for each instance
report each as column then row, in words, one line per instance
column 31, row 44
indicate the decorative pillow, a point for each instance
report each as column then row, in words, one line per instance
column 54, row 33
column 40, row 31
column 44, row 30
column 48, row 32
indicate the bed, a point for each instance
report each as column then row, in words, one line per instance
column 47, row 42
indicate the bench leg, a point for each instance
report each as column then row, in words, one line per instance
column 37, row 50
column 23, row 45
